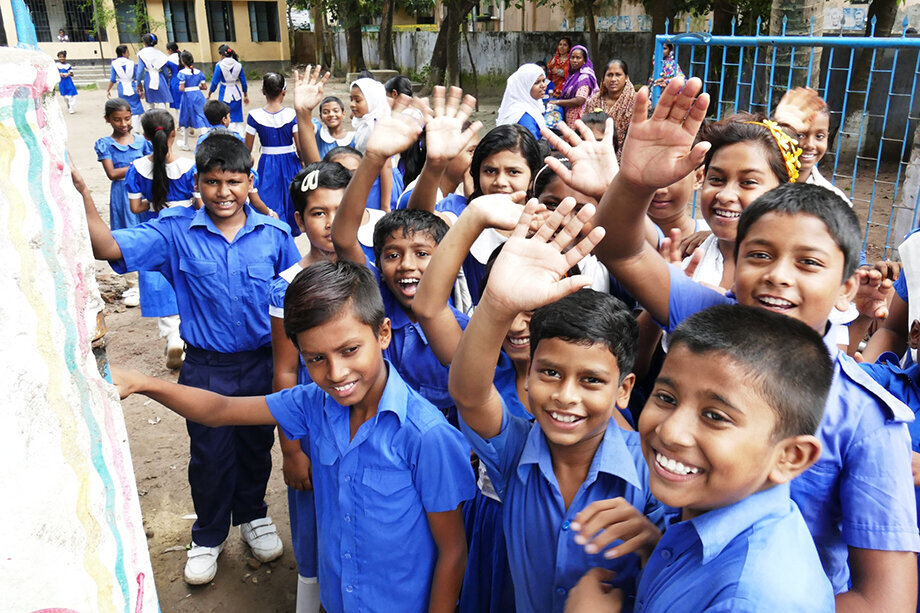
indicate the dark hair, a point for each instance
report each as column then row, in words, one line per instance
column 775, row 351
column 808, row 199
column 399, row 84
column 272, row 85
column 215, row 111
column 226, row 51
column 364, row 73
column 588, row 317
column 62, row 52
column 329, row 99
column 546, row 174
column 541, row 64
column 322, row 291
column 340, row 151
column 408, row 222
column 113, row 105
column 223, row 151
column 595, row 117
column 158, row 125
column 622, row 64
column 172, row 46
column 149, row 39
column 512, row 137
column 121, row 50
column 330, row 175
column 736, row 129
column 566, row 39
column 187, row 59
column 668, row 46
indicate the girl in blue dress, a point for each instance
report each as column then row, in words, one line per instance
column 330, row 128
column 191, row 111
column 67, row 88
column 123, row 72
column 155, row 182
column 153, row 68
column 172, row 59
column 279, row 161
column 230, row 82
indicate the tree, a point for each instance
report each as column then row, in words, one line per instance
column 385, row 36
column 445, row 58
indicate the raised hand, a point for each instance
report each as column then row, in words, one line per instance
column 659, row 149
column 594, row 162
column 396, row 133
column 308, row 88
column 445, row 137
column 530, row 271
column 671, row 249
column 797, row 109
column 499, row 211
column 874, row 294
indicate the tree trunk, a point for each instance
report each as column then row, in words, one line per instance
column 385, row 37
column 661, row 11
column 592, row 31
column 353, row 39
column 447, row 46
column 318, row 13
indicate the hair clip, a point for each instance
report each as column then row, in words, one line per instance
column 597, row 109
column 158, row 128
column 788, row 147
column 310, row 182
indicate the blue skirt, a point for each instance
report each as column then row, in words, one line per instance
column 176, row 93
column 302, row 510
column 161, row 94
column 191, row 110
column 487, row 584
column 137, row 107
column 67, row 87
column 120, row 215
column 276, row 171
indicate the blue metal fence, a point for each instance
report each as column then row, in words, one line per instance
column 870, row 150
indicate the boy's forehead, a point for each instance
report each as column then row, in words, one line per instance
column 345, row 326
column 575, row 355
column 415, row 237
column 226, row 175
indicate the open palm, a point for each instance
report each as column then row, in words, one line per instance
column 594, row 162
column 396, row 133
column 308, row 88
column 445, row 137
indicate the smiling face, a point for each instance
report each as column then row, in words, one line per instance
column 813, row 144
column 517, row 341
column 573, row 390
column 538, row 88
column 671, row 201
column 614, row 79
column 358, row 102
column 403, row 260
column 344, row 357
column 120, row 121
column 331, row 114
column 737, row 175
column 322, row 205
column 790, row 264
column 576, row 60
column 504, row 172
column 224, row 193
column 562, row 48
column 706, row 435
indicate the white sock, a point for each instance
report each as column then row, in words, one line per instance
column 136, row 124
column 307, row 595
column 168, row 326
column 184, row 133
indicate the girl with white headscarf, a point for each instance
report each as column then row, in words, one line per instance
column 369, row 103
column 522, row 102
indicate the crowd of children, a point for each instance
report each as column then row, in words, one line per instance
column 665, row 413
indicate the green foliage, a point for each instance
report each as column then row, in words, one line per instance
column 107, row 16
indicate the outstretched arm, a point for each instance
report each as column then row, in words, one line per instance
column 308, row 93
column 104, row 245
column 528, row 274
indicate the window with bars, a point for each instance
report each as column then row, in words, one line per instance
column 263, row 22
column 131, row 19
column 40, row 19
column 180, row 21
column 80, row 21
column 220, row 21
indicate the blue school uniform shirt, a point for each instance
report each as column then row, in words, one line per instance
column 181, row 174
column 753, row 555
column 544, row 558
column 372, row 492
column 221, row 286
column 325, row 142
column 218, row 129
column 860, row 492
column 530, row 124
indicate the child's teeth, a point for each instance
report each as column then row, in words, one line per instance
column 728, row 214
column 779, row 302
column 674, row 466
column 566, row 419
column 520, row 341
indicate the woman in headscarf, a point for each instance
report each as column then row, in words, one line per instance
column 616, row 97
column 558, row 67
column 522, row 102
column 581, row 85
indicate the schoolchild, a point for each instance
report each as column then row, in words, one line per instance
column 331, row 132
column 582, row 347
column 279, row 161
column 723, row 437
column 221, row 259
column 217, row 113
column 174, row 62
column 153, row 72
column 122, row 73
column 230, row 82
column 191, row 109
column 369, row 104
column 116, row 154
column 67, row 88
column 522, row 101
column 797, row 248
column 389, row 472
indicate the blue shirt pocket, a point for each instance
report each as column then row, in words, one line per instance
column 389, row 497
column 200, row 277
column 259, row 285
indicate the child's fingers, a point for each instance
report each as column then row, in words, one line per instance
column 572, row 226
column 401, row 104
column 585, row 246
column 466, row 108
column 570, row 136
column 666, row 100
column 438, row 96
column 548, row 230
column 472, row 131
column 695, row 258
column 560, row 169
column 523, row 225
column 555, row 142
column 454, row 96
column 600, row 515
column 584, row 131
column 697, row 115
column 608, row 132
column 566, row 286
column 640, row 107
column 684, row 101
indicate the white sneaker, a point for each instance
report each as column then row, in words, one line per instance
column 131, row 297
column 201, row 565
column 175, row 351
column 262, row 537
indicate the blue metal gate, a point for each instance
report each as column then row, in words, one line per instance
column 871, row 155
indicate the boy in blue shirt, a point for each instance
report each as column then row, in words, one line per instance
column 729, row 423
column 797, row 249
column 217, row 112
column 389, row 472
column 582, row 350
column 221, row 260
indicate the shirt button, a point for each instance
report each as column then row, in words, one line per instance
column 349, row 588
column 566, row 524
column 666, row 554
column 236, row 299
column 347, row 556
column 347, row 477
column 348, row 519
column 561, row 591
column 239, row 323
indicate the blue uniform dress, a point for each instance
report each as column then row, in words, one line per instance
column 230, row 82
column 67, row 88
column 373, row 492
column 222, row 290
column 173, row 60
column 864, row 439
column 301, row 504
column 545, row 560
column 191, row 110
column 373, row 197
column 325, row 141
column 122, row 156
column 122, row 73
column 278, row 162
column 154, row 69
column 157, row 296
column 753, row 555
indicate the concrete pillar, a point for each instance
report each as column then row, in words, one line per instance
column 9, row 23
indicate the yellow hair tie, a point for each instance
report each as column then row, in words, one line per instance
column 788, row 147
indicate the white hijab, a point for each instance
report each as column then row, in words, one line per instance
column 378, row 107
column 154, row 59
column 517, row 100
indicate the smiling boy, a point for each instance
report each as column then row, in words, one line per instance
column 724, row 432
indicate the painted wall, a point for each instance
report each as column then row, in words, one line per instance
column 73, row 536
